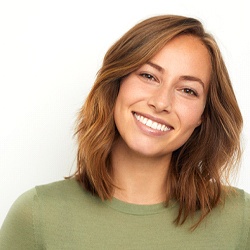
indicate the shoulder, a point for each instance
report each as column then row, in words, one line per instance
column 64, row 189
column 42, row 210
column 237, row 209
column 66, row 192
column 237, row 202
column 60, row 188
column 56, row 195
column 234, row 211
column 29, row 200
column 237, row 197
column 18, row 223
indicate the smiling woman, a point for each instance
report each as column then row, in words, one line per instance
column 167, row 93
column 158, row 137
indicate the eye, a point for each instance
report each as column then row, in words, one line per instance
column 148, row 76
column 189, row 91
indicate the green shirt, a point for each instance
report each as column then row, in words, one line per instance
column 62, row 215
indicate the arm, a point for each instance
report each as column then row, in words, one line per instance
column 19, row 230
column 247, row 198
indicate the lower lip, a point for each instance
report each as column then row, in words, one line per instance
column 150, row 131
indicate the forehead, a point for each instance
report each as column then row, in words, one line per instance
column 185, row 54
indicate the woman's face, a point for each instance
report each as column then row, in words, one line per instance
column 160, row 104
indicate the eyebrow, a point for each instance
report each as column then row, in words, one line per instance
column 194, row 79
column 185, row 77
column 156, row 66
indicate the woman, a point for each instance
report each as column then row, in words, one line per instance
column 158, row 136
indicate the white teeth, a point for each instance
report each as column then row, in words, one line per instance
column 154, row 125
column 159, row 126
column 150, row 123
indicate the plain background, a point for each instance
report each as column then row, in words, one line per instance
column 50, row 52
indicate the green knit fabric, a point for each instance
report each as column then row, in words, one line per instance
column 62, row 215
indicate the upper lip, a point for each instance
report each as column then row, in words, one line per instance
column 153, row 118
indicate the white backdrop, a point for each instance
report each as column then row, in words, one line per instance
column 50, row 52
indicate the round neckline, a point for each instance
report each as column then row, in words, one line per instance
column 137, row 209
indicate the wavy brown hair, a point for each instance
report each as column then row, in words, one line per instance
column 199, row 168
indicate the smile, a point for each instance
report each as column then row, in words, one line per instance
column 151, row 124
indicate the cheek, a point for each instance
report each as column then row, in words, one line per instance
column 118, row 110
column 121, row 109
column 191, row 115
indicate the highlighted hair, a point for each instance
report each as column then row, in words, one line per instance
column 201, row 167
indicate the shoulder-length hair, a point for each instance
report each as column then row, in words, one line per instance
column 200, row 167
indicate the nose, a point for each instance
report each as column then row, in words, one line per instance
column 161, row 100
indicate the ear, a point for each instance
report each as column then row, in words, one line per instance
column 199, row 122
column 201, row 118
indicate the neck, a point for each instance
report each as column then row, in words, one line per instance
column 139, row 179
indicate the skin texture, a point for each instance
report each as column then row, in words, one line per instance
column 170, row 90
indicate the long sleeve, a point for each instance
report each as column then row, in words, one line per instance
column 19, row 228
column 247, row 198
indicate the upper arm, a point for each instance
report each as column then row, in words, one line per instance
column 18, row 230
column 247, row 219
